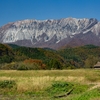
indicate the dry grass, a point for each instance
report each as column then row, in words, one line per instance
column 41, row 79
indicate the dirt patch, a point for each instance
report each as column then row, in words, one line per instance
column 96, row 85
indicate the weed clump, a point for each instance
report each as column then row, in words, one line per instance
column 7, row 84
column 58, row 88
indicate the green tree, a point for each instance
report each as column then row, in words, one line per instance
column 91, row 61
column 54, row 64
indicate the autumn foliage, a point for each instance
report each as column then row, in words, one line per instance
column 35, row 61
column 25, row 58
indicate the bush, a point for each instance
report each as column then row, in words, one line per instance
column 28, row 66
column 60, row 88
column 7, row 84
column 22, row 66
column 9, row 66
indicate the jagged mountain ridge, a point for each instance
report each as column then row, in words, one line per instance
column 51, row 33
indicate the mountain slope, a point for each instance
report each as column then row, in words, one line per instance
column 51, row 33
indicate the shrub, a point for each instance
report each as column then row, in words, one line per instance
column 28, row 66
column 9, row 66
column 60, row 88
column 22, row 67
column 7, row 84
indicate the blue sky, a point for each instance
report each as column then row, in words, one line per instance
column 14, row 10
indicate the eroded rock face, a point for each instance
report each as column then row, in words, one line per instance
column 50, row 33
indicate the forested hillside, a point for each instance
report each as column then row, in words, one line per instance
column 83, row 56
column 30, row 58
column 26, row 58
column 6, row 53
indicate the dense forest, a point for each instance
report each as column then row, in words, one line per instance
column 26, row 58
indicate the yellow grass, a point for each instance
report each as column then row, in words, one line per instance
column 41, row 79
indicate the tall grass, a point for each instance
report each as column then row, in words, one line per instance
column 39, row 80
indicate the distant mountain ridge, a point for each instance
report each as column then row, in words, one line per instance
column 52, row 33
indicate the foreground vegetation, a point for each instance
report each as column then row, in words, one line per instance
column 80, row 84
column 32, row 73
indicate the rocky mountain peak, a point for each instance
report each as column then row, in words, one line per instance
column 42, row 32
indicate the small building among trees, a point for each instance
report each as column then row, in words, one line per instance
column 97, row 66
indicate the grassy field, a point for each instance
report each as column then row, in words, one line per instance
column 78, row 84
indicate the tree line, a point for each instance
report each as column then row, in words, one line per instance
column 26, row 58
